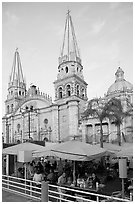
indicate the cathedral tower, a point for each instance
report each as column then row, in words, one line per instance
column 70, row 87
column 16, row 85
column 70, row 82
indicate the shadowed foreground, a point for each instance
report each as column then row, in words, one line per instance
column 13, row 197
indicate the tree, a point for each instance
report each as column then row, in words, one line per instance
column 114, row 111
column 96, row 108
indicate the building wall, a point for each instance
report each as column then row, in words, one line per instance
column 63, row 121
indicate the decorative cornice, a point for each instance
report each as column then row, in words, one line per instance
column 68, row 77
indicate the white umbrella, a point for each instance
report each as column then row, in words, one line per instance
column 78, row 151
column 45, row 151
column 110, row 147
column 27, row 146
column 126, row 152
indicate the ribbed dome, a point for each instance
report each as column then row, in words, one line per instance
column 120, row 85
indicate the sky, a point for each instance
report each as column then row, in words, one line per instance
column 104, row 33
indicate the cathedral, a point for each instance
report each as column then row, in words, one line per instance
column 31, row 114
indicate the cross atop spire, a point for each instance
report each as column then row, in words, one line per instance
column 68, row 12
column 69, row 51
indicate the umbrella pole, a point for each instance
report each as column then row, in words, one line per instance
column 25, row 176
column 123, row 190
column 74, row 178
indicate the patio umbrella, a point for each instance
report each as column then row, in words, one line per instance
column 45, row 151
column 126, row 151
column 21, row 147
column 14, row 150
column 110, row 147
column 78, row 151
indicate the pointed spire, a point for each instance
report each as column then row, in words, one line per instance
column 16, row 74
column 69, row 51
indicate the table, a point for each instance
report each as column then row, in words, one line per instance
column 83, row 190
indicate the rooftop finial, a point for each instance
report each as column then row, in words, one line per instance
column 17, row 49
column 68, row 12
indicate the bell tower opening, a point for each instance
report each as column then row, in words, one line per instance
column 60, row 92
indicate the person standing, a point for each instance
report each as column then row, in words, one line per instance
column 61, row 181
column 51, row 177
column 38, row 177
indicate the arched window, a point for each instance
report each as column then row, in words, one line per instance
column 45, row 139
column 83, row 93
column 45, row 121
column 12, row 107
column 68, row 90
column 8, row 109
column 60, row 92
column 66, row 69
column 18, row 141
column 18, row 127
column 77, row 90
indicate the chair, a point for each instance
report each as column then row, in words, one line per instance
column 117, row 194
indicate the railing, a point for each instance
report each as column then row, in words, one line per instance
column 22, row 186
column 53, row 193
column 68, row 194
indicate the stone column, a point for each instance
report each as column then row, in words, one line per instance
column 23, row 128
column 38, row 126
column 73, row 117
column 84, row 134
column 55, row 124
column 12, row 129
column 4, row 129
column 7, row 131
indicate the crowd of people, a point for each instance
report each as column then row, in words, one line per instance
column 57, row 172
column 88, row 174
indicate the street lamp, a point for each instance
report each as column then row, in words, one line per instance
column 28, row 110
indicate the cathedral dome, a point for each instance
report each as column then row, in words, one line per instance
column 120, row 84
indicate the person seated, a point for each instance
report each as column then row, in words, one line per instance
column 95, row 180
column 30, row 170
column 38, row 176
column 62, row 179
column 20, row 172
column 40, row 166
column 60, row 167
column 89, row 180
column 69, row 181
column 51, row 176
column 54, row 165
column 47, row 167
